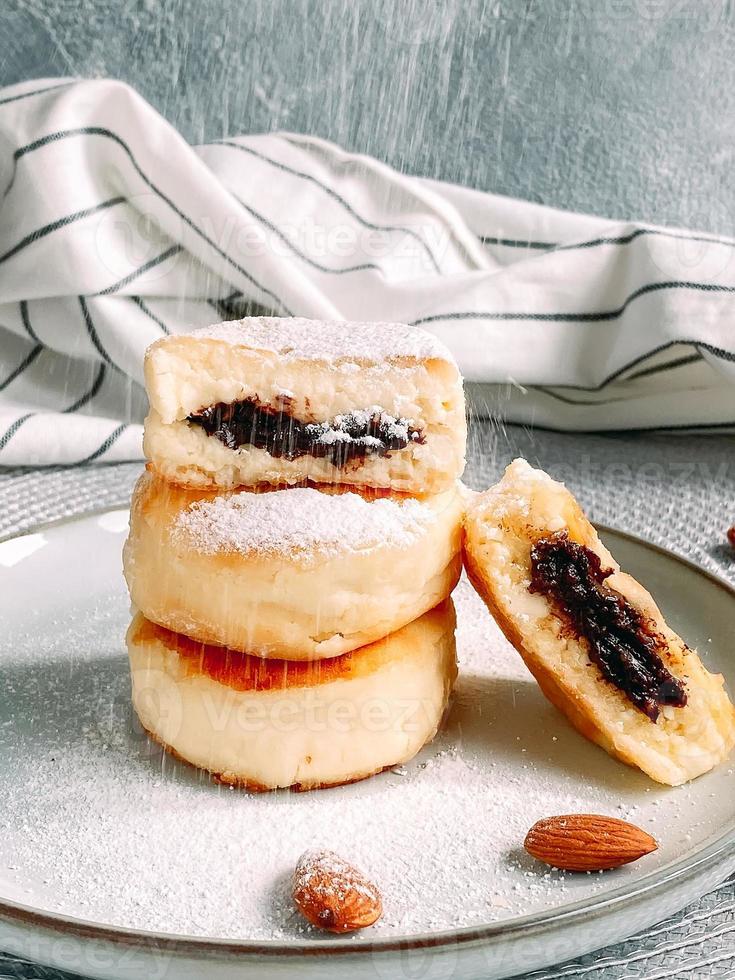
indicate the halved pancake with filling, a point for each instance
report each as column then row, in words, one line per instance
column 592, row 636
column 284, row 399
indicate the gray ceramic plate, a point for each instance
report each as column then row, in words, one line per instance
column 110, row 864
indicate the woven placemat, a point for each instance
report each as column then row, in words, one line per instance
column 678, row 492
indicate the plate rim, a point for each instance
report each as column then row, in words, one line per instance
column 720, row 852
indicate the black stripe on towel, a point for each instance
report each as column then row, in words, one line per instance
column 26, row 362
column 662, row 368
column 626, row 239
column 517, row 243
column 335, row 196
column 36, row 91
column 574, row 401
column 726, row 355
column 10, row 432
column 109, row 441
column 93, row 335
column 595, row 317
column 646, row 372
column 88, row 395
column 68, row 219
column 629, row 430
column 687, row 427
column 108, row 134
column 236, row 306
column 27, row 322
column 151, row 264
column 364, row 267
column 640, row 233
column 716, row 351
column 227, row 307
column 150, row 314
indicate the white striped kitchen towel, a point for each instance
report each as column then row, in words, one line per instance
column 114, row 231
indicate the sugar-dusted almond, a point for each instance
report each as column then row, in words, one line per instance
column 333, row 895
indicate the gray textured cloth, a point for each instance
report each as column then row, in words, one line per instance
column 676, row 492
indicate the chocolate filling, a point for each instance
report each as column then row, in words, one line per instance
column 621, row 641
column 354, row 435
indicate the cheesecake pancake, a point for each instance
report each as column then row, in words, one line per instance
column 282, row 400
column 295, row 573
column 264, row 724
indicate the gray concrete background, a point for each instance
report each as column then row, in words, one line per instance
column 624, row 108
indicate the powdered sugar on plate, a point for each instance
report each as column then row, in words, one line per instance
column 301, row 523
column 97, row 822
column 329, row 341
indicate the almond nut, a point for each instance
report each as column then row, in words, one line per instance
column 333, row 895
column 587, row 842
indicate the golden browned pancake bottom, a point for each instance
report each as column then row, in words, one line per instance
column 243, row 672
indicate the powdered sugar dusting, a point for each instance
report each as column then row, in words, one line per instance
column 342, row 429
column 301, row 523
column 330, row 341
column 97, row 822
column 323, row 873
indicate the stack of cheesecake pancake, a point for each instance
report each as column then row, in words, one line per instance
column 294, row 543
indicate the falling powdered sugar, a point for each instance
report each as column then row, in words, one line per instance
column 301, row 523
